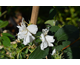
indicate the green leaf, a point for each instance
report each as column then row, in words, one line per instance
column 61, row 35
column 14, row 45
column 26, row 51
column 54, row 28
column 3, row 24
column 38, row 53
column 60, row 47
column 72, row 53
column 1, row 21
column 7, row 34
column 67, row 32
column 38, row 34
column 71, row 31
column 51, row 22
column 65, row 43
column 5, row 41
column 38, row 40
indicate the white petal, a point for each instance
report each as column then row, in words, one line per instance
column 18, row 26
column 50, row 44
column 26, row 40
column 53, row 52
column 32, row 28
column 29, row 38
column 23, row 32
column 43, row 45
column 50, row 38
column 42, row 37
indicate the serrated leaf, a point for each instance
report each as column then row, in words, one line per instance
column 59, row 48
column 72, row 53
column 7, row 34
column 51, row 22
column 65, row 43
column 5, row 41
column 54, row 28
column 67, row 32
column 61, row 35
column 38, row 53
column 3, row 24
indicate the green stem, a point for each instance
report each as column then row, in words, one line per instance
column 23, row 49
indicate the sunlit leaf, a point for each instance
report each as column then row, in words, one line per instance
column 51, row 22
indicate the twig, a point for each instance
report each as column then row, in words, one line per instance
column 71, row 44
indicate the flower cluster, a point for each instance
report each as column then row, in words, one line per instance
column 26, row 33
column 46, row 39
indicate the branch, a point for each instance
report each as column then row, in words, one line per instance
column 71, row 44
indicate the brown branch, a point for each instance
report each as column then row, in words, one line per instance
column 34, row 14
column 71, row 44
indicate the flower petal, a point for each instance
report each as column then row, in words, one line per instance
column 32, row 28
column 29, row 38
column 53, row 52
column 26, row 39
column 18, row 26
column 43, row 45
column 50, row 38
column 50, row 44
column 42, row 37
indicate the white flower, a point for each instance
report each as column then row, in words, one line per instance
column 53, row 52
column 46, row 39
column 25, row 33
